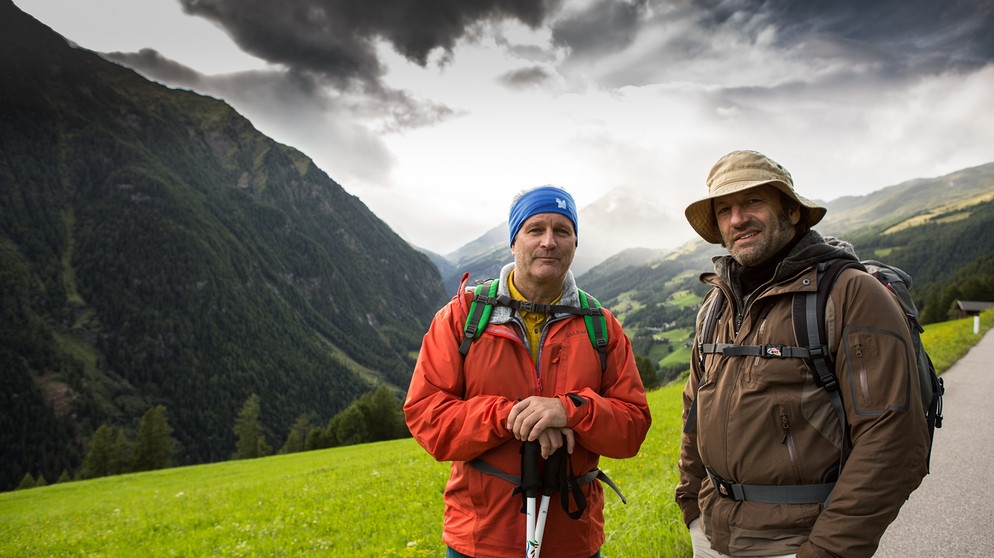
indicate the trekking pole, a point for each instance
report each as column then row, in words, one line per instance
column 550, row 484
column 530, row 481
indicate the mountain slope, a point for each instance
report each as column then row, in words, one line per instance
column 156, row 248
column 936, row 229
column 911, row 200
column 620, row 218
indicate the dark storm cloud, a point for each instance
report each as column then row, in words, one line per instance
column 951, row 32
column 662, row 40
column 149, row 62
column 273, row 90
column 604, row 27
column 337, row 38
column 525, row 77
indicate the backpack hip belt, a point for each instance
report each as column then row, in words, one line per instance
column 771, row 494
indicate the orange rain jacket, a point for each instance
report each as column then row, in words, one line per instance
column 457, row 410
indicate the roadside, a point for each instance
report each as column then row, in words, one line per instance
column 952, row 512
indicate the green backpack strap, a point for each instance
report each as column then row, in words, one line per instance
column 479, row 313
column 596, row 325
column 485, row 298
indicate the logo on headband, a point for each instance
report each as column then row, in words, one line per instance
column 561, row 204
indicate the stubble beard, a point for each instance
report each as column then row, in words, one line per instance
column 768, row 246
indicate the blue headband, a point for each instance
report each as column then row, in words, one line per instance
column 544, row 199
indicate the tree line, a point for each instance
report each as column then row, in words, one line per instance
column 375, row 416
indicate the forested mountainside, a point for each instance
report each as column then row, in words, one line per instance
column 156, row 249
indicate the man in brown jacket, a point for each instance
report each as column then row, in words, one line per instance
column 760, row 458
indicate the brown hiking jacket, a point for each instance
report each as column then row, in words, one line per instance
column 764, row 421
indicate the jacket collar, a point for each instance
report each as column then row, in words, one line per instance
column 809, row 251
column 503, row 314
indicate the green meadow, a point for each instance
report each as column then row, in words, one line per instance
column 373, row 500
column 382, row 499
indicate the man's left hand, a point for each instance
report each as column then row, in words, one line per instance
column 531, row 416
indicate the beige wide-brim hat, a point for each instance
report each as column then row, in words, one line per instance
column 738, row 171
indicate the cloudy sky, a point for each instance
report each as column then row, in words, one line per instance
column 436, row 112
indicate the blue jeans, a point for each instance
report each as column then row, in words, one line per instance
column 449, row 553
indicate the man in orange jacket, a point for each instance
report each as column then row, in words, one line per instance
column 532, row 375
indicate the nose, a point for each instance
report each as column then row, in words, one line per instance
column 549, row 238
column 737, row 215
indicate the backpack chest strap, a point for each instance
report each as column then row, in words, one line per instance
column 763, row 351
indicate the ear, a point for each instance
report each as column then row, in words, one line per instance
column 795, row 215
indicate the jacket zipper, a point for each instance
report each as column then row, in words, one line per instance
column 539, row 388
column 788, row 440
column 758, row 293
column 541, row 346
column 861, row 368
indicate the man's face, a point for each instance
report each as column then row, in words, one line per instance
column 753, row 224
column 543, row 251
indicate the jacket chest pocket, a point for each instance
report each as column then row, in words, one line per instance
column 570, row 365
column 866, row 352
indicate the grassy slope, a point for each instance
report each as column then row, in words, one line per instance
column 381, row 499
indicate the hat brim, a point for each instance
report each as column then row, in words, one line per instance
column 700, row 214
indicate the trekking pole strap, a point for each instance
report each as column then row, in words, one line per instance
column 488, row 469
column 772, row 494
column 602, row 476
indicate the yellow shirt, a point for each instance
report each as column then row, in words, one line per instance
column 533, row 320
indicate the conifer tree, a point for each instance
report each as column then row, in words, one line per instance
column 296, row 440
column 374, row 417
column 647, row 371
column 99, row 460
column 317, row 438
column 385, row 415
column 28, row 481
column 350, row 426
column 250, row 441
column 121, row 457
column 155, row 447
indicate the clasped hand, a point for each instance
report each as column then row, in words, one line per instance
column 542, row 419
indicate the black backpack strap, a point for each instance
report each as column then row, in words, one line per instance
column 809, row 325
column 705, row 344
column 711, row 322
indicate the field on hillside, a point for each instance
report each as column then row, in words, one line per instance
column 946, row 342
column 372, row 500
